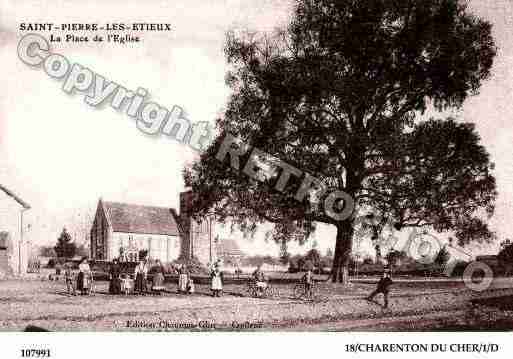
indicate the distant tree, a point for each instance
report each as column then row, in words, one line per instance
column 394, row 257
column 368, row 260
column 301, row 263
column 313, row 256
column 285, row 258
column 293, row 264
column 82, row 251
column 284, row 253
column 442, row 257
column 308, row 265
column 65, row 247
column 506, row 254
column 329, row 253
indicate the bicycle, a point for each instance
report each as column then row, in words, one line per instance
column 301, row 292
column 254, row 291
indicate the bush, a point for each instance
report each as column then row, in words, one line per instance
column 256, row 261
column 53, row 262
column 169, row 268
column 308, row 265
column 506, row 254
column 459, row 268
column 193, row 265
column 368, row 261
column 442, row 257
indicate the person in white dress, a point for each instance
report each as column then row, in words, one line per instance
column 183, row 278
column 217, row 281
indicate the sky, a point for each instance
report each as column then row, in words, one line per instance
column 61, row 155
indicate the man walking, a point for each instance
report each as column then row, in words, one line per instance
column 383, row 287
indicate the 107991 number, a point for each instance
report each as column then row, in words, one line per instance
column 35, row 353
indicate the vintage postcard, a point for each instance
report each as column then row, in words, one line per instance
column 257, row 166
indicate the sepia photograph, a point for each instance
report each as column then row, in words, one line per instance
column 257, row 166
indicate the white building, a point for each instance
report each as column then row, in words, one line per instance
column 121, row 229
column 14, row 247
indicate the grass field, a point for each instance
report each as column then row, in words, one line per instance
column 414, row 306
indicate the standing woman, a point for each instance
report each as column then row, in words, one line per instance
column 158, row 277
column 217, row 281
column 83, row 279
column 141, row 273
column 183, row 278
column 114, row 272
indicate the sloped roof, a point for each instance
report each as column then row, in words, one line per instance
column 132, row 218
column 228, row 247
column 15, row 197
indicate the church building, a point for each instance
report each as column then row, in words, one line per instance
column 122, row 230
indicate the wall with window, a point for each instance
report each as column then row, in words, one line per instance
column 10, row 222
column 163, row 247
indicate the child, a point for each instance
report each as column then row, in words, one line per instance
column 190, row 286
column 126, row 284
column 260, row 280
column 217, row 282
column 68, row 277
column 308, row 280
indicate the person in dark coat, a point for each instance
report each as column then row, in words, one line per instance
column 141, row 276
column 84, row 277
column 158, row 277
column 383, row 287
column 114, row 273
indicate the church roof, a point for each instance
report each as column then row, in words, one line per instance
column 132, row 218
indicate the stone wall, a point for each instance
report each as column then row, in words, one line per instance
column 198, row 237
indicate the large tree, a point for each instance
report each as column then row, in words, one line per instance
column 338, row 94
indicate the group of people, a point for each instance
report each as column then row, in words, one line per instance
column 121, row 283
column 84, row 279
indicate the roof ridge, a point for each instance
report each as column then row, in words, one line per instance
column 15, row 197
column 137, row 205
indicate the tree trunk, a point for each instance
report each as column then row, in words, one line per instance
column 343, row 246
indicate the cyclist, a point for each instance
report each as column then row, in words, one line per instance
column 260, row 280
column 308, row 280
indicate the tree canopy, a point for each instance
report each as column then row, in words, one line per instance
column 338, row 95
column 65, row 247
